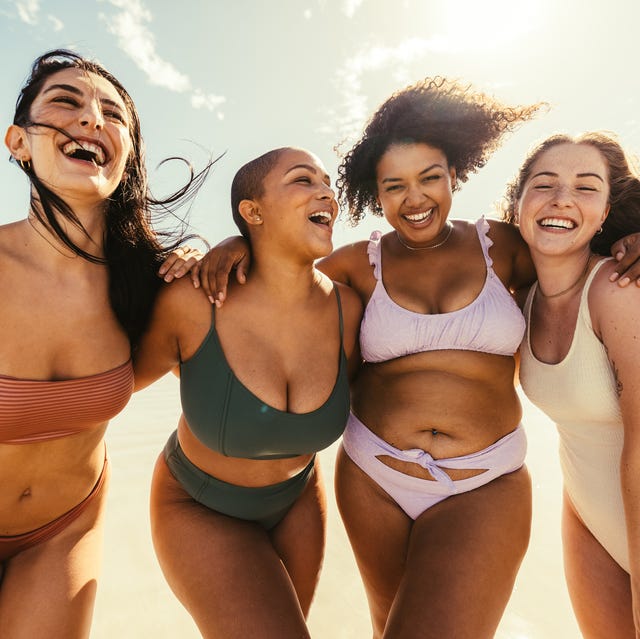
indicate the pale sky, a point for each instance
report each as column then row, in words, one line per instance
column 244, row 76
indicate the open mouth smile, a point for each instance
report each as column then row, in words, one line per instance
column 557, row 223
column 85, row 151
column 422, row 216
column 322, row 218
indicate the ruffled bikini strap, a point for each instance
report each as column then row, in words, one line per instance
column 374, row 251
column 482, row 227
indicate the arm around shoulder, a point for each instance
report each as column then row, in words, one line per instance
column 342, row 264
column 159, row 350
column 512, row 248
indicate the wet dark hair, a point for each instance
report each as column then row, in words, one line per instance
column 466, row 125
column 132, row 248
column 248, row 183
column 624, row 186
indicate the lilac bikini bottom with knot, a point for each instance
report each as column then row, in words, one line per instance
column 415, row 495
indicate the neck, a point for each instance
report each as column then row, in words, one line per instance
column 560, row 276
column 91, row 239
column 282, row 278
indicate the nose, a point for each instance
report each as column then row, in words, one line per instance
column 562, row 196
column 326, row 192
column 91, row 115
column 414, row 196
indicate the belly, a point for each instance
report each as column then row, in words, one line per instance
column 449, row 403
column 43, row 480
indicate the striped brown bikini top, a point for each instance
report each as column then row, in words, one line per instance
column 38, row 410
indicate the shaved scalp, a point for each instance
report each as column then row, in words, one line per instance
column 248, row 183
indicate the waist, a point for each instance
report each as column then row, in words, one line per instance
column 468, row 412
column 42, row 481
column 239, row 471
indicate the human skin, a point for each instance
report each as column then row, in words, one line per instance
column 60, row 325
column 562, row 206
column 264, row 580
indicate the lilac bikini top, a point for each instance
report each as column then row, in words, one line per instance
column 492, row 323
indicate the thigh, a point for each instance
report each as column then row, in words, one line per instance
column 299, row 539
column 600, row 590
column 49, row 590
column 378, row 530
column 463, row 557
column 225, row 571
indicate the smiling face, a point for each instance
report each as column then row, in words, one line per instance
column 414, row 183
column 565, row 200
column 297, row 205
column 81, row 149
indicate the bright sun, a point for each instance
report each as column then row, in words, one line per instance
column 469, row 24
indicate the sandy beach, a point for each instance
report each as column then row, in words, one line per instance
column 134, row 601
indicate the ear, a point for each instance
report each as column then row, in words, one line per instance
column 250, row 212
column 453, row 176
column 606, row 212
column 16, row 141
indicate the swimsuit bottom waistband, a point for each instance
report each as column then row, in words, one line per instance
column 265, row 504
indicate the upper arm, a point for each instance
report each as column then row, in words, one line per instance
column 616, row 313
column 158, row 351
column 520, row 272
column 351, row 318
column 341, row 265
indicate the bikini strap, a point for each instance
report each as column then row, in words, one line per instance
column 335, row 288
column 374, row 250
column 482, row 227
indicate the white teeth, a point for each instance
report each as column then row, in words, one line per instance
column 558, row 223
column 72, row 148
column 320, row 217
column 419, row 217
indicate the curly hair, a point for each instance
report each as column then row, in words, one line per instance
column 466, row 125
column 624, row 186
column 132, row 248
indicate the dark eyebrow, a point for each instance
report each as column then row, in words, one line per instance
column 64, row 87
column 580, row 175
column 309, row 167
column 429, row 168
column 71, row 89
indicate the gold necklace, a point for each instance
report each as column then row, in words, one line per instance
column 49, row 242
column 431, row 246
column 566, row 290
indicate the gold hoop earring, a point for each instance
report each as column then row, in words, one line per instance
column 25, row 165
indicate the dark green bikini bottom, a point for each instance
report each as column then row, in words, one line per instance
column 266, row 505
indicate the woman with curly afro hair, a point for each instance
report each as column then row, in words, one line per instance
column 430, row 479
column 434, row 446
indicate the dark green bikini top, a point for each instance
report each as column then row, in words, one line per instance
column 228, row 418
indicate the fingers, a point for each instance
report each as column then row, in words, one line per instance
column 179, row 262
column 627, row 252
column 220, row 279
column 242, row 269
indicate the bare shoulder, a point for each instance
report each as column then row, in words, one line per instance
column 505, row 236
column 603, row 291
column 180, row 298
column 345, row 263
column 610, row 303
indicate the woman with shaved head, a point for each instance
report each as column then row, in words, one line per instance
column 237, row 504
